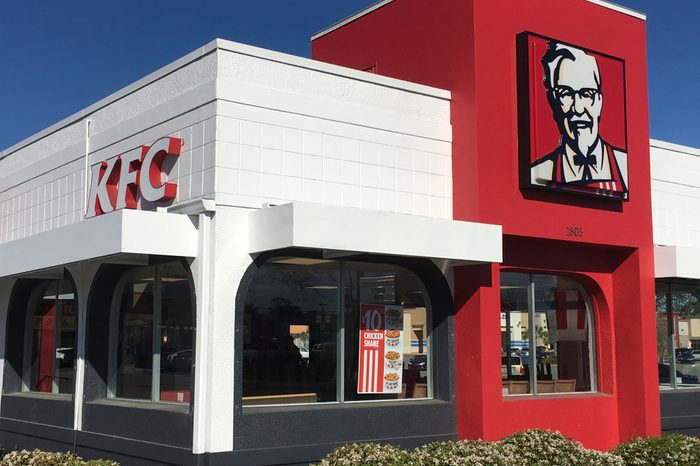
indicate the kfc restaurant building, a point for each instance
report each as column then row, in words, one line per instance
column 439, row 228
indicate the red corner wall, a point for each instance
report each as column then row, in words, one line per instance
column 469, row 48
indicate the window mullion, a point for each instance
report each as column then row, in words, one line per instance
column 56, row 342
column 671, row 325
column 340, row 354
column 531, row 335
column 155, row 379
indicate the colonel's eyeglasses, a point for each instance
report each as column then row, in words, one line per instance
column 566, row 95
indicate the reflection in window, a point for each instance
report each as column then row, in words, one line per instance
column 678, row 334
column 50, row 366
column 301, row 332
column 152, row 361
column 546, row 335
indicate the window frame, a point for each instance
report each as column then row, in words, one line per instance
column 156, row 343
column 35, row 295
column 341, row 334
column 531, row 331
column 668, row 286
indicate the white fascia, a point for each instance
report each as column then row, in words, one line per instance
column 676, row 262
column 124, row 232
column 339, row 230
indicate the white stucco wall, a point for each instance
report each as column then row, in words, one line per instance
column 258, row 126
column 292, row 129
column 675, row 190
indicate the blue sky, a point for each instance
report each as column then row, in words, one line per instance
column 57, row 57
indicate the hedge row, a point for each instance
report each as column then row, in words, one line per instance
column 527, row 448
column 46, row 458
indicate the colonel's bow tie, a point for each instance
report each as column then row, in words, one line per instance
column 585, row 161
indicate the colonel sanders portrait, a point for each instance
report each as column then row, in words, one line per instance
column 582, row 160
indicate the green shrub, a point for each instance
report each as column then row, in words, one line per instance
column 465, row 452
column 527, row 448
column 45, row 458
column 366, row 454
column 536, row 447
column 669, row 450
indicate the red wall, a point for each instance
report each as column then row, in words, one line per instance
column 469, row 48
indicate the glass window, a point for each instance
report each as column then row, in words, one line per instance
column 334, row 331
column 50, row 356
column 151, row 335
column 678, row 334
column 546, row 335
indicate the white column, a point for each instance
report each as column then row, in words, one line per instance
column 6, row 286
column 83, row 275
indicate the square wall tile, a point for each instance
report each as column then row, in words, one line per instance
column 369, row 153
column 292, row 164
column 421, row 161
column 351, row 173
column 292, row 188
column 387, row 200
column 251, row 133
column 387, row 156
column 198, row 135
column 197, row 160
column 227, row 155
column 272, row 137
column 271, row 161
column 250, row 158
column 332, row 194
column 332, row 147
column 370, row 175
column 250, row 183
column 387, row 178
column 313, row 191
column 350, row 150
column 313, row 167
column 352, row 196
column 271, row 185
column 292, row 140
column 313, row 143
column 404, row 159
column 229, row 130
column 332, row 170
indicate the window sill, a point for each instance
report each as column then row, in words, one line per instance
column 137, row 404
column 347, row 405
column 41, row 395
column 556, row 396
column 681, row 389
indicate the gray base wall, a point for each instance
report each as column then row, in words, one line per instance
column 680, row 412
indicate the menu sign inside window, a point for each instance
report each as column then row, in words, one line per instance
column 381, row 349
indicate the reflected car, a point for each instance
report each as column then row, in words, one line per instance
column 685, row 356
column 180, row 361
column 665, row 375
column 419, row 361
column 517, row 366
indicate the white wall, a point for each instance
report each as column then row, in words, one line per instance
column 675, row 190
column 291, row 129
column 258, row 126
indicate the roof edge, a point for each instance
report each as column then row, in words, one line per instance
column 674, row 147
column 226, row 45
column 350, row 19
column 620, row 8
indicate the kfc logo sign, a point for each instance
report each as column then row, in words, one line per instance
column 118, row 183
column 577, row 120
